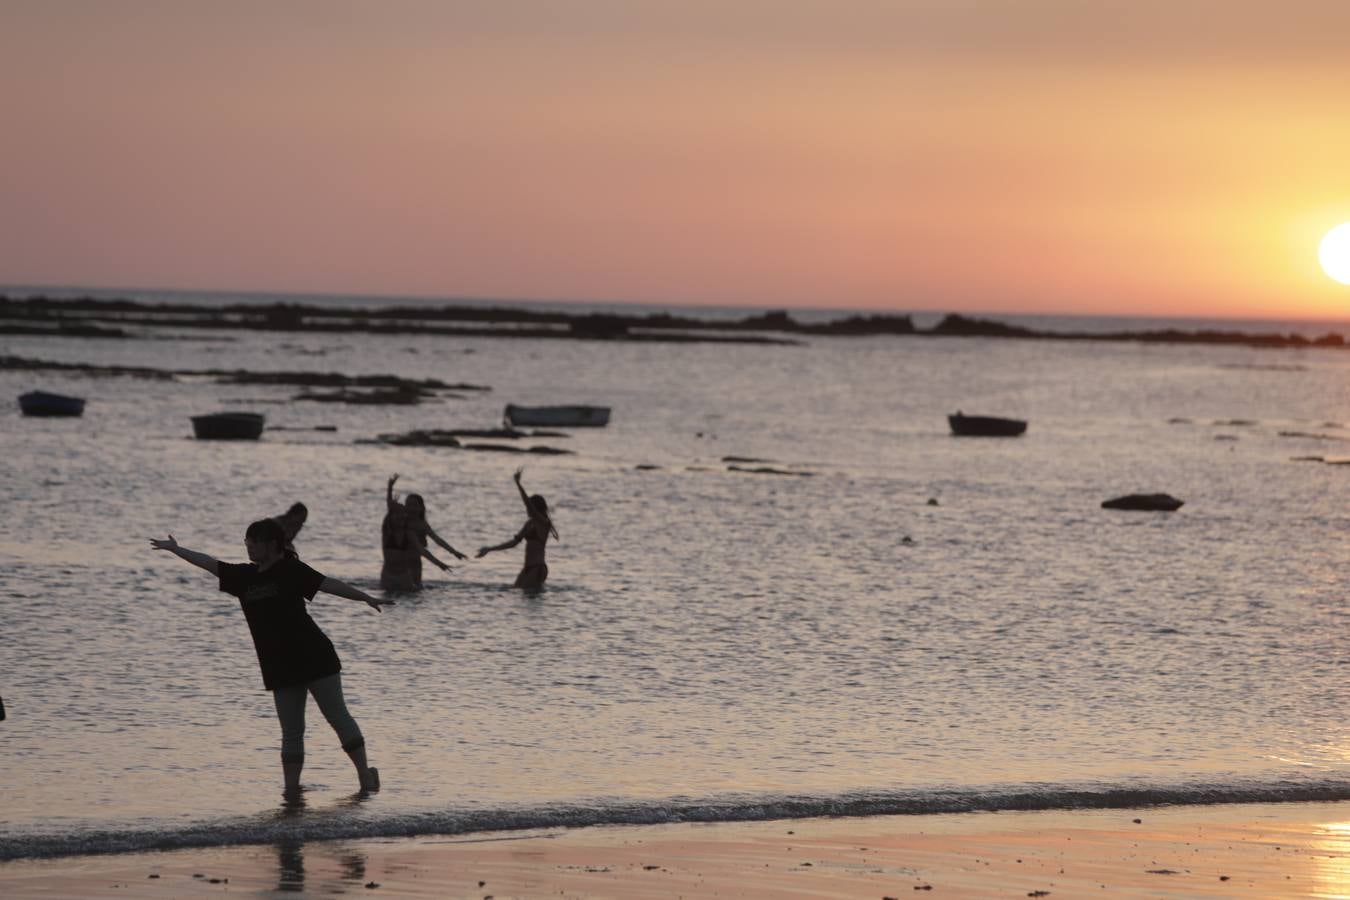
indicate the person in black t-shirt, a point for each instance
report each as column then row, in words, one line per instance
column 296, row 657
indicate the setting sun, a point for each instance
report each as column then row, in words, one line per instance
column 1334, row 253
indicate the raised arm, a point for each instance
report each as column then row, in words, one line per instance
column 198, row 559
column 431, row 533
column 344, row 590
column 389, row 492
column 524, row 497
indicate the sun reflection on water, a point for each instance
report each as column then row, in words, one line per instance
column 1330, row 852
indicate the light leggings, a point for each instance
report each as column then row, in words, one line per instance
column 291, row 711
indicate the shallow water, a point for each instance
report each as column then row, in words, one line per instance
column 711, row 643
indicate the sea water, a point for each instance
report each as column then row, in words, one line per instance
column 890, row 619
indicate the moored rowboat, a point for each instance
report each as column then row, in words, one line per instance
column 41, row 403
column 985, row 426
column 557, row 416
column 228, row 426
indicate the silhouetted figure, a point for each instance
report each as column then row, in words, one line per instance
column 297, row 659
column 535, row 533
column 291, row 521
column 403, row 540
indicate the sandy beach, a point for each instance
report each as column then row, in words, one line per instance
column 1277, row 850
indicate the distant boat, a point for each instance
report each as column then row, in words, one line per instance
column 41, row 403
column 1147, row 502
column 985, row 426
column 228, row 426
column 557, row 416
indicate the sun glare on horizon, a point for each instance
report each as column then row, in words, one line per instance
column 1334, row 253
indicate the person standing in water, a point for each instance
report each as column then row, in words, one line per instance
column 403, row 539
column 291, row 521
column 297, row 659
column 535, row 533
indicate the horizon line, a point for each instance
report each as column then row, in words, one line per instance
column 8, row 289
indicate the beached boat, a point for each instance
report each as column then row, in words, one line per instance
column 228, row 426
column 985, row 426
column 41, row 403
column 557, row 416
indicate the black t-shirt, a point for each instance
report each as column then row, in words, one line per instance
column 291, row 648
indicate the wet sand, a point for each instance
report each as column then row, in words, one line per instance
column 1277, row 850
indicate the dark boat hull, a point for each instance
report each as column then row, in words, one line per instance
column 557, row 416
column 228, row 426
column 985, row 426
column 1145, row 502
column 41, row 403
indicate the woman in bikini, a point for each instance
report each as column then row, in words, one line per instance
column 535, row 533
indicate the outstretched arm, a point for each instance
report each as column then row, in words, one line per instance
column 427, row 554
column 431, row 533
column 342, row 589
column 198, row 559
column 505, row 545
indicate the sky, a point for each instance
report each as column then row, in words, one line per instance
column 1149, row 157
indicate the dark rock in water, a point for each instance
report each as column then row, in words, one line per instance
column 744, row 459
column 420, row 439
column 1147, row 502
column 1312, row 436
column 956, row 324
column 766, row 470
column 505, row 448
column 332, row 380
column 646, row 467
column 600, row 325
column 380, row 396
column 507, row 433
column 64, row 329
column 932, row 501
column 439, row 438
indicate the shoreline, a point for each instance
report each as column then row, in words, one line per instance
column 1249, row 850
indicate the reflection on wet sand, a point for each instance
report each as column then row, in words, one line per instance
column 1331, row 857
column 290, row 865
column 291, row 875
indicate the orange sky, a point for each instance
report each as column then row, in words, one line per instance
column 1145, row 157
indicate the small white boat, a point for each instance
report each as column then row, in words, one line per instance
column 557, row 416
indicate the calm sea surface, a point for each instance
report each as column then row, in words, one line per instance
column 909, row 622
